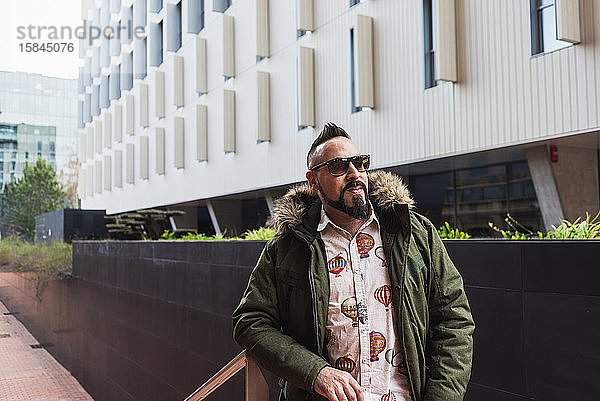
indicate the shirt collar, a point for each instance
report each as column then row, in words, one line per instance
column 325, row 220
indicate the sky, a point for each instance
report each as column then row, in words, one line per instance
column 15, row 13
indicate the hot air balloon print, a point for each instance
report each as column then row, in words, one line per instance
column 345, row 363
column 336, row 265
column 365, row 243
column 349, row 309
column 384, row 295
column 379, row 252
column 388, row 397
column 377, row 341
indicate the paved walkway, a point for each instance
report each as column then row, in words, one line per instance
column 31, row 374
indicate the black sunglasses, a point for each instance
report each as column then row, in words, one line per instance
column 339, row 165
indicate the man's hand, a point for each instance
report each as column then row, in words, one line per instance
column 337, row 385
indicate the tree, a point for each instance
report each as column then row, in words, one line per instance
column 37, row 192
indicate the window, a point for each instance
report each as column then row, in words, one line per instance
column 354, row 109
column 39, row 146
column 52, row 147
column 221, row 5
column 156, row 44
column 428, row 43
column 543, row 27
column 195, row 16
column 26, row 155
column 174, row 27
column 355, row 2
column 156, row 6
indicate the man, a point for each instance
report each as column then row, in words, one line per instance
column 356, row 297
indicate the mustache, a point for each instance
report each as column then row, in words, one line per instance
column 354, row 184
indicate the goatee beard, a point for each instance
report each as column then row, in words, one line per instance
column 360, row 210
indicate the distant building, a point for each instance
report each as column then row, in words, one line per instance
column 46, row 104
column 483, row 109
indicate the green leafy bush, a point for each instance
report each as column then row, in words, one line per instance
column 447, row 232
column 579, row 229
column 261, row 233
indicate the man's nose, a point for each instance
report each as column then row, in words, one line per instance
column 352, row 172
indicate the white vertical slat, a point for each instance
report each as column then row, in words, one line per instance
column 129, row 114
column 306, row 20
column 201, row 132
column 90, row 180
column 306, row 87
column 118, row 169
column 567, row 21
column 107, row 130
column 262, row 28
column 118, row 123
column 228, row 46
column 159, row 94
column 144, row 148
column 160, row 150
column 263, row 103
column 107, row 173
column 82, row 147
column 201, row 83
column 229, row 120
column 179, row 142
column 445, row 51
column 129, row 167
column 98, row 179
column 178, row 89
column 90, row 141
column 98, row 133
column 364, row 50
column 81, row 184
column 143, row 102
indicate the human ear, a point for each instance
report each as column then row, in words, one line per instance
column 312, row 180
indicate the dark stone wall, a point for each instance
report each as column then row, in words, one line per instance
column 70, row 224
column 151, row 320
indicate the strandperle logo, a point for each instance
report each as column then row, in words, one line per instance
column 85, row 31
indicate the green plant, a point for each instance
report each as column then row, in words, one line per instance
column 37, row 192
column 44, row 262
column 584, row 229
column 447, row 232
column 262, row 233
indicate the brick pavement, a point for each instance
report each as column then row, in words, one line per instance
column 31, row 374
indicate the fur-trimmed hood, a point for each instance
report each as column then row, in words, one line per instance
column 386, row 190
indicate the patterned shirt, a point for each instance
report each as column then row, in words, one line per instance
column 361, row 335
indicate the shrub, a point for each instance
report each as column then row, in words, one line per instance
column 46, row 262
column 447, row 232
column 261, row 233
column 584, row 229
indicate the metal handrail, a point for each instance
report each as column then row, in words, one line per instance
column 256, row 386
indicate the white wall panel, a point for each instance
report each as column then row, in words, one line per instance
column 129, row 164
column 159, row 94
column 143, row 102
column 98, row 179
column 160, row 150
column 118, row 122
column 90, row 180
column 118, row 169
column 445, row 41
column 201, row 83
column 90, row 141
column 98, row 134
column 178, row 89
column 262, row 28
column 107, row 173
column 263, row 104
column 129, row 115
column 179, row 142
column 364, row 64
column 228, row 46
column 229, row 120
column 306, row 87
column 201, row 132
column 81, row 184
column 567, row 20
column 107, row 130
column 144, row 149
column 82, row 146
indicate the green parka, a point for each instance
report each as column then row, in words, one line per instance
column 281, row 318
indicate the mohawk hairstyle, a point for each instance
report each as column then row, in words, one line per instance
column 330, row 130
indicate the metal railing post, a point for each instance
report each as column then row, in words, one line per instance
column 257, row 388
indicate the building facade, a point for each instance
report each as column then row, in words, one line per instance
column 484, row 108
column 40, row 102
